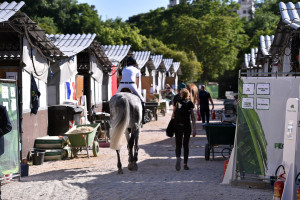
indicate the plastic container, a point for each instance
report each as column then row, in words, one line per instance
column 59, row 117
column 38, row 156
column 48, row 142
column 24, row 170
column 53, row 154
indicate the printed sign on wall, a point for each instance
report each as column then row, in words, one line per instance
column 263, row 88
column 248, row 88
column 262, row 103
column 247, row 103
column 4, row 92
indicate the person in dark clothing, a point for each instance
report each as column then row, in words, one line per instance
column 177, row 96
column 183, row 126
column 5, row 127
column 181, row 85
column 203, row 101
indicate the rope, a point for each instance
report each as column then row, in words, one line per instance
column 31, row 51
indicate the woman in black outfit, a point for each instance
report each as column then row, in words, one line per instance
column 182, row 114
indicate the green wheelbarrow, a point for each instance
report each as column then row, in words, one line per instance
column 79, row 141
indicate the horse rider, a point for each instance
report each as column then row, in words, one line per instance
column 130, row 75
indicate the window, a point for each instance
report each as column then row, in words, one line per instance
column 244, row 11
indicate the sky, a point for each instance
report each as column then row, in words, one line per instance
column 111, row 9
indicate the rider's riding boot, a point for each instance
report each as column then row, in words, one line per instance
column 143, row 113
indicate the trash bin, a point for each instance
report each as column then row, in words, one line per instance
column 59, row 117
column 105, row 107
column 24, row 170
column 38, row 156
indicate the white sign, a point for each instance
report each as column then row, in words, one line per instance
column 12, row 75
column 247, row 103
column 4, row 92
column 248, row 88
column 263, row 104
column 12, row 92
column 5, row 104
column 13, row 105
column 263, row 88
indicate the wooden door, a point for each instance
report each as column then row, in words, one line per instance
column 79, row 87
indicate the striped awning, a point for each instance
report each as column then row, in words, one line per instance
column 7, row 10
column 290, row 14
column 265, row 44
column 168, row 63
column 141, row 57
column 72, row 44
column 116, row 53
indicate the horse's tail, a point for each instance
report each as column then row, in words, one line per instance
column 119, row 122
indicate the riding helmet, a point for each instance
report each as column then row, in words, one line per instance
column 131, row 61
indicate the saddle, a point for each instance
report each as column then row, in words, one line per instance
column 126, row 90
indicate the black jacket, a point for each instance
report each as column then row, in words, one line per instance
column 5, row 125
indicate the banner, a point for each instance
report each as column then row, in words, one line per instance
column 260, row 124
column 9, row 156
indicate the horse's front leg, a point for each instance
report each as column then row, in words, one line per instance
column 120, row 171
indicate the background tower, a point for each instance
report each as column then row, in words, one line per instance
column 172, row 3
column 247, row 7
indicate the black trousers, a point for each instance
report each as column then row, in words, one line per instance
column 182, row 135
column 204, row 112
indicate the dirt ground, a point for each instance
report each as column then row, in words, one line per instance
column 156, row 178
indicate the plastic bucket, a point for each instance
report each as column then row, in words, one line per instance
column 24, row 170
column 38, row 156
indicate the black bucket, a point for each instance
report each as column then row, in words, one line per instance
column 38, row 156
column 24, row 170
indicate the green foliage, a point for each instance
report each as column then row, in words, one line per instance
column 47, row 24
column 210, row 29
column 206, row 37
column 67, row 15
column 116, row 32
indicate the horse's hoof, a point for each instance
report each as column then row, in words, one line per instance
column 135, row 167
column 120, row 171
column 130, row 166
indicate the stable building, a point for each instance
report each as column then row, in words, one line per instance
column 263, row 55
column 166, row 78
column 145, row 65
column 80, row 72
column 175, row 71
column 25, row 55
column 116, row 54
column 158, row 64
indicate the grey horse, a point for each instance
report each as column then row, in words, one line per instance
column 125, row 118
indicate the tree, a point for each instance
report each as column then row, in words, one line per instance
column 47, row 24
column 209, row 29
column 116, row 32
column 67, row 15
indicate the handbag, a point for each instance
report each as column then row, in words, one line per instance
column 170, row 129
